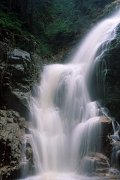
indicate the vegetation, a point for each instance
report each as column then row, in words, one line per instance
column 8, row 21
column 54, row 23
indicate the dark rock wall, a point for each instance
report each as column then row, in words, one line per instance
column 108, row 85
column 12, row 129
column 18, row 73
column 105, row 79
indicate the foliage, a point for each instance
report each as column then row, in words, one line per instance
column 44, row 49
column 55, row 23
column 10, row 22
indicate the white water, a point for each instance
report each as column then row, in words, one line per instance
column 66, row 124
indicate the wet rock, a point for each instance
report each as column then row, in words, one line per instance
column 95, row 164
column 113, row 174
column 106, row 131
column 116, row 154
column 112, row 79
column 27, row 162
column 106, row 125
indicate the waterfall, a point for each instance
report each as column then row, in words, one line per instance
column 65, row 122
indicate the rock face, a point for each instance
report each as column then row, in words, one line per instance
column 12, row 130
column 18, row 73
column 108, row 86
column 17, row 77
column 106, row 82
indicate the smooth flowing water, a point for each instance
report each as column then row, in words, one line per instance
column 65, row 122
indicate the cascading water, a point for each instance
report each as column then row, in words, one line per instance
column 66, row 124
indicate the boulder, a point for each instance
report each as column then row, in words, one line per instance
column 18, row 56
column 18, row 63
